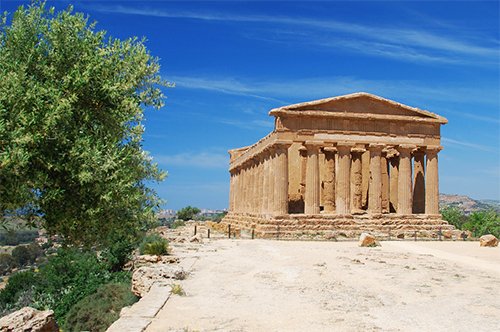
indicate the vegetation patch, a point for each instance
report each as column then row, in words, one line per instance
column 98, row 311
column 153, row 244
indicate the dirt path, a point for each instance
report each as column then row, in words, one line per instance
column 259, row 285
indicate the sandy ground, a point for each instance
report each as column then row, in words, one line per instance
column 262, row 285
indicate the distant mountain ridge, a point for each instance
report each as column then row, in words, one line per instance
column 467, row 204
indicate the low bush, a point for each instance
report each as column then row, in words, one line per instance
column 7, row 263
column 14, row 237
column 65, row 279
column 178, row 223
column 18, row 284
column 26, row 254
column 98, row 311
column 153, row 244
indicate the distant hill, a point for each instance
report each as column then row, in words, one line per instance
column 468, row 204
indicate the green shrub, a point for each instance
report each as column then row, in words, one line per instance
column 18, row 284
column 187, row 213
column 14, row 237
column 7, row 263
column 483, row 222
column 153, row 244
column 98, row 311
column 21, row 255
column 178, row 223
column 26, row 254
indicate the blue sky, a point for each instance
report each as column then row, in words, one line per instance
column 234, row 61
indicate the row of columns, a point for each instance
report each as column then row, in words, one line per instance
column 395, row 186
column 260, row 184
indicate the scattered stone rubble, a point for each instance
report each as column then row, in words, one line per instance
column 368, row 240
column 28, row 319
column 488, row 240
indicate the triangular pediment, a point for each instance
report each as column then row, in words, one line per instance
column 359, row 104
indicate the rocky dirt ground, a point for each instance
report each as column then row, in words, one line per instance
column 266, row 285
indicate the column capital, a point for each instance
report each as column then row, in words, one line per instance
column 329, row 149
column 406, row 148
column 358, row 149
column 345, row 147
column 391, row 152
column 433, row 148
column 313, row 144
column 376, row 146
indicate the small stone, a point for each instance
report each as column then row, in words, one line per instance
column 196, row 238
column 145, row 276
column 488, row 240
column 368, row 240
column 29, row 319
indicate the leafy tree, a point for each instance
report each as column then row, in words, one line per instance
column 21, row 255
column 483, row 222
column 187, row 213
column 71, row 112
column 7, row 263
column 454, row 216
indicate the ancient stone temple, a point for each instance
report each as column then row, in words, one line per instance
column 339, row 166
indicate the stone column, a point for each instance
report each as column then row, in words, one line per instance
column 303, row 171
column 432, row 181
column 365, row 170
column 404, row 179
column 265, row 183
column 281, row 176
column 312, row 179
column 375, row 187
column 342, row 196
column 271, row 175
column 251, row 186
column 356, row 180
column 393, row 157
column 329, row 189
column 237, row 195
column 418, row 182
column 231, row 190
column 385, row 183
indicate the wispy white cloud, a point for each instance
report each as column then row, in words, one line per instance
column 224, row 85
column 194, row 160
column 252, row 124
column 452, row 142
column 415, row 44
column 318, row 87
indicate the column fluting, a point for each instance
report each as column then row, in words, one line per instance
column 405, row 179
column 432, row 181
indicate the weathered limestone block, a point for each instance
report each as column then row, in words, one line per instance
column 368, row 240
column 196, row 238
column 144, row 277
column 488, row 240
column 28, row 319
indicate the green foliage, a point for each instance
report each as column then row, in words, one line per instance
column 7, row 263
column 98, row 311
column 178, row 290
column 483, row 222
column 21, row 255
column 71, row 113
column 60, row 283
column 24, row 255
column 454, row 216
column 187, row 213
column 18, row 284
column 478, row 222
column 178, row 223
column 12, row 237
column 153, row 244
